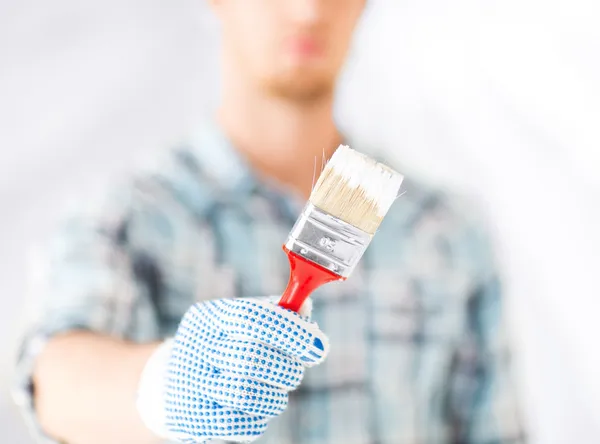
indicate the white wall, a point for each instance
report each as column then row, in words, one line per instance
column 499, row 98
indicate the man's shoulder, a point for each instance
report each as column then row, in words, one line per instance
column 165, row 192
column 445, row 222
column 188, row 175
column 422, row 201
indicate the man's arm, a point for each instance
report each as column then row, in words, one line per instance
column 483, row 404
column 85, row 389
column 79, row 365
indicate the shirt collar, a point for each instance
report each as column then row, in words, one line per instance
column 231, row 173
column 220, row 161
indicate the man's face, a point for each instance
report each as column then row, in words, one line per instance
column 292, row 48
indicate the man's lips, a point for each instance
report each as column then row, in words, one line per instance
column 305, row 46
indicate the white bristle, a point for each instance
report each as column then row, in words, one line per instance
column 356, row 189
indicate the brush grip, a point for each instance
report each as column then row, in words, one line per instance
column 305, row 277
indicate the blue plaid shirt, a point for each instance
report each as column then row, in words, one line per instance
column 418, row 351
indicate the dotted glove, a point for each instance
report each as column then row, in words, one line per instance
column 232, row 364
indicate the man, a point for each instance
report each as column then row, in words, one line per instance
column 417, row 343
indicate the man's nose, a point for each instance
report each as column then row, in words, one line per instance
column 307, row 12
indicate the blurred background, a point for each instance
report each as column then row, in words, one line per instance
column 498, row 99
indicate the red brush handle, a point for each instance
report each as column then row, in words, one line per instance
column 305, row 277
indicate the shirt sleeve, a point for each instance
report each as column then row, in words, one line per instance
column 88, row 279
column 482, row 399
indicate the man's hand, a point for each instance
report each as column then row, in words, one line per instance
column 232, row 365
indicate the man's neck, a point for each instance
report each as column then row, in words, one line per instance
column 281, row 140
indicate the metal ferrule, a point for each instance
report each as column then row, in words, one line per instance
column 327, row 241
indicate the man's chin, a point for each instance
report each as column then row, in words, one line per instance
column 301, row 88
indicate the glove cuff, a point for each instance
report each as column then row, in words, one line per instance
column 151, row 391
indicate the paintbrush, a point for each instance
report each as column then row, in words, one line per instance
column 345, row 208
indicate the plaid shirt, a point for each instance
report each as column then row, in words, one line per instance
column 418, row 350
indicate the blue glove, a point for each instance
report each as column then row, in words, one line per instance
column 232, row 364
